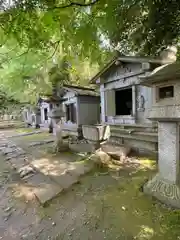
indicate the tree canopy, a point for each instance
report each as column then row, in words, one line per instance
column 37, row 34
column 84, row 24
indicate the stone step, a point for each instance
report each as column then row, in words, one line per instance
column 135, row 127
column 141, row 136
column 132, row 131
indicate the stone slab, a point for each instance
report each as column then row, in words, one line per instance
column 41, row 143
column 43, row 187
column 25, row 134
column 51, row 167
column 26, row 170
column 14, row 155
column 81, row 147
column 79, row 168
column 65, row 180
column 17, row 163
column 8, row 150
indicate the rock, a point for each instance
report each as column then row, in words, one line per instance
column 123, row 208
column 7, row 150
column 53, row 224
column 26, row 170
column 116, row 152
column 7, row 209
column 100, row 157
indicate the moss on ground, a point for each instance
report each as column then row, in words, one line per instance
column 118, row 209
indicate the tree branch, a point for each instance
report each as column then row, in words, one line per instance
column 76, row 4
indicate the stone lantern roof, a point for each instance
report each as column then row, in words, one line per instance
column 166, row 72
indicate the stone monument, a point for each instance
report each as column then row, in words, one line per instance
column 37, row 117
column 56, row 114
column 165, row 82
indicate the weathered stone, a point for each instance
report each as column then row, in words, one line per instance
column 116, row 152
column 79, row 168
column 64, row 147
column 100, row 157
column 43, row 187
column 81, row 147
column 14, row 155
column 41, row 143
column 163, row 190
column 7, row 150
column 18, row 163
column 65, row 180
column 26, row 170
column 25, row 134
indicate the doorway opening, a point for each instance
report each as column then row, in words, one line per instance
column 45, row 114
column 123, row 101
column 71, row 113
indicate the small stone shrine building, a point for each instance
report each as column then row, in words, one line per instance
column 81, row 105
column 125, row 102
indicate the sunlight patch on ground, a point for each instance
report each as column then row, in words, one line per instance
column 25, row 130
column 145, row 233
column 148, row 163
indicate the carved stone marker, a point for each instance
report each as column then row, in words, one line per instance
column 165, row 81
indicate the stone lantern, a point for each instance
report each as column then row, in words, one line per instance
column 37, row 114
column 56, row 114
column 165, row 82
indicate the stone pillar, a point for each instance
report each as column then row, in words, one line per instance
column 165, row 185
column 168, row 135
column 134, row 101
column 103, row 114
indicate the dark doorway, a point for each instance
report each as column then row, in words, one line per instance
column 123, row 100
column 45, row 114
column 71, row 113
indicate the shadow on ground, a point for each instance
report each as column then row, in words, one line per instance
column 109, row 205
column 105, row 204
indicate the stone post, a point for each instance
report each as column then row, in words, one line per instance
column 165, row 185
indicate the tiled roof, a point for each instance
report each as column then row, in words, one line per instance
column 82, row 91
column 130, row 59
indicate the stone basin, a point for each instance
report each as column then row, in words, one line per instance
column 96, row 133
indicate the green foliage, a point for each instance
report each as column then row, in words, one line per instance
column 38, row 36
column 132, row 25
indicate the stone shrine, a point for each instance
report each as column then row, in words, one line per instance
column 165, row 84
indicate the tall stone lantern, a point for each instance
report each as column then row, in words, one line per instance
column 56, row 114
column 165, row 84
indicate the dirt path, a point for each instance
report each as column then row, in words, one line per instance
column 101, row 206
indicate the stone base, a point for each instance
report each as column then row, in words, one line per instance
column 164, row 191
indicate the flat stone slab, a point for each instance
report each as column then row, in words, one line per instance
column 14, row 155
column 17, row 163
column 81, row 147
column 40, row 143
column 65, row 180
column 43, row 187
column 8, row 150
column 25, row 134
column 79, row 168
column 51, row 167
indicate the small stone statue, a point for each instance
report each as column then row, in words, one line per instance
column 140, row 103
